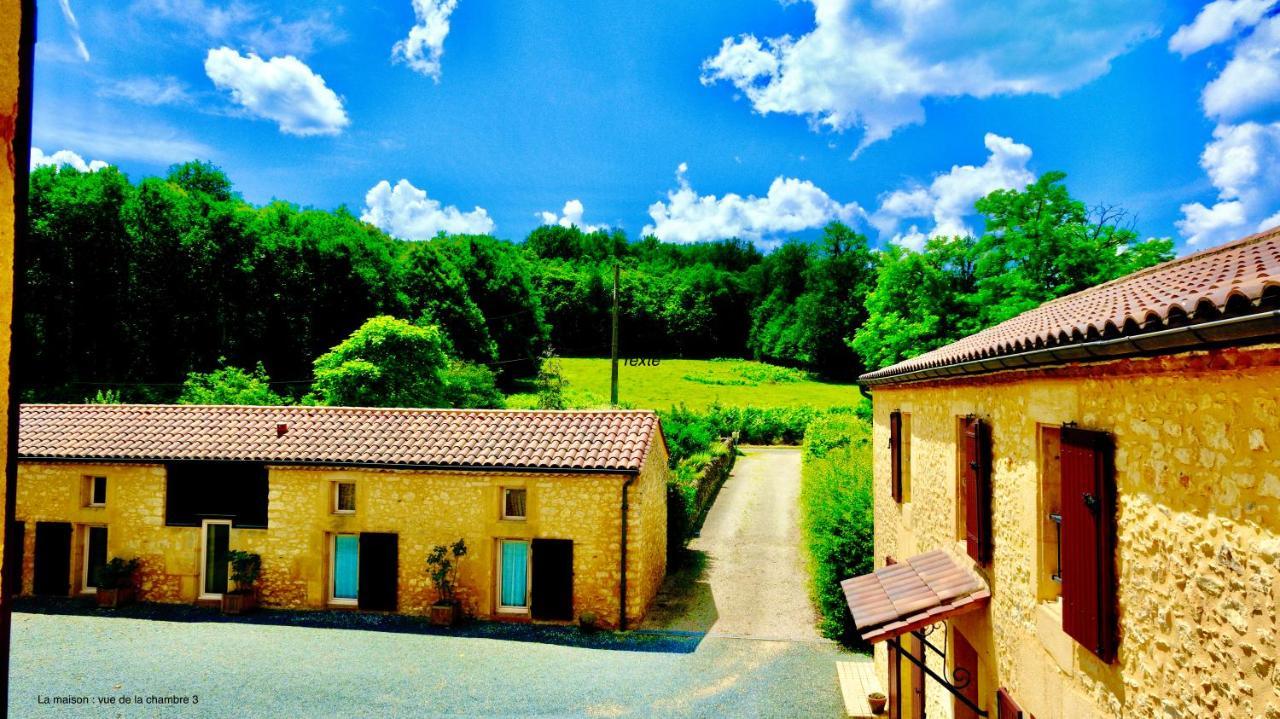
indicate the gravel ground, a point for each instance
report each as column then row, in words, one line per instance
column 272, row 669
column 747, row 575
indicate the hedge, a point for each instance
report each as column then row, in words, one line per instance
column 836, row 502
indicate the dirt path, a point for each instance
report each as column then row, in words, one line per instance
column 747, row 576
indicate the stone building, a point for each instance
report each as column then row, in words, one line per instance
column 1077, row 511
column 562, row 512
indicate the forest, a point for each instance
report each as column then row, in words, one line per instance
column 130, row 287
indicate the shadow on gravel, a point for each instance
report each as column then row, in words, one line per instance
column 671, row 642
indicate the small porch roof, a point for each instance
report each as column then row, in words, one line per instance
column 910, row 595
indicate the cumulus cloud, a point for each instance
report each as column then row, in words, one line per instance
column 74, row 26
column 64, row 157
column 282, row 89
column 871, row 65
column 1250, row 81
column 570, row 216
column 949, row 198
column 1216, row 22
column 406, row 212
column 791, row 205
column 424, row 47
column 1240, row 162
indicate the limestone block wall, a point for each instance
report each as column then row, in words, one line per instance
column 1197, row 460
column 422, row 508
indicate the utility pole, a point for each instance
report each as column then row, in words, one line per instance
column 613, row 351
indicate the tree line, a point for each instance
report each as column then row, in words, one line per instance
column 130, row 287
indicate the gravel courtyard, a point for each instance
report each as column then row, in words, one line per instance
column 242, row 669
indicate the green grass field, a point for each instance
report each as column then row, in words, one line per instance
column 696, row 384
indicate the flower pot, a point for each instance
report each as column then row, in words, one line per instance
column 444, row 615
column 112, row 598
column 239, row 602
column 877, row 702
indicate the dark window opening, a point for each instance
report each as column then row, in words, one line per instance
column 223, row 490
column 98, row 496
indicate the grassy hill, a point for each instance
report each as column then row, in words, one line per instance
column 696, row 384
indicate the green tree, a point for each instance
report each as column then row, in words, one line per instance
column 230, row 385
column 550, row 383
column 470, row 385
column 387, row 362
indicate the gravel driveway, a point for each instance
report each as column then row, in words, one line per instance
column 262, row 670
column 748, row 575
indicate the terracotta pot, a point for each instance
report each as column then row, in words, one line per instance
column 444, row 615
column 239, row 602
column 112, row 598
column 877, row 703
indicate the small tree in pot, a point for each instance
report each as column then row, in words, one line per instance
column 245, row 568
column 442, row 568
column 115, row 582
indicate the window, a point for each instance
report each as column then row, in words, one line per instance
column 974, row 495
column 344, row 497
column 513, row 503
column 95, row 491
column 95, row 556
column 1088, row 540
column 513, row 576
column 900, row 456
column 1049, row 515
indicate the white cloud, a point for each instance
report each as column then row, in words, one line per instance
column 791, row 205
column 406, row 212
column 64, row 157
column 282, row 89
column 1218, row 21
column 570, row 216
column 246, row 24
column 155, row 144
column 949, row 198
column 74, row 26
column 1251, row 79
column 424, row 47
column 872, row 64
column 167, row 90
column 1240, row 162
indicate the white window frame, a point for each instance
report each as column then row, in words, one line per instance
column 85, row 579
column 204, row 554
column 515, row 517
column 333, row 573
column 336, row 508
column 91, row 481
column 528, row 578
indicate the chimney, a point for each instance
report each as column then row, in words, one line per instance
column 282, row 428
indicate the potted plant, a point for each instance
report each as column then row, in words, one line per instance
column 115, row 582
column 877, row 701
column 442, row 567
column 245, row 568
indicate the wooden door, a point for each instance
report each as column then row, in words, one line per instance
column 552, row 579
column 379, row 571
column 53, row 558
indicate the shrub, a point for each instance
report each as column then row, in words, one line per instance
column 245, row 568
column 468, row 385
column 116, row 574
column 442, row 567
column 836, row 502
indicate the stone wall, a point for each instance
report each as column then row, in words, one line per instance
column 422, row 508
column 1197, row 462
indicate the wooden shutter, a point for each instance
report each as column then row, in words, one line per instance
column 964, row 668
column 895, row 455
column 976, row 462
column 1006, row 707
column 1088, row 540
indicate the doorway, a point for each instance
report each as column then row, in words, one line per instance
column 215, row 543
column 95, row 556
column 379, row 566
column 53, row 559
column 552, row 579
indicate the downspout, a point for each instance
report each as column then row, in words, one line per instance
column 622, row 560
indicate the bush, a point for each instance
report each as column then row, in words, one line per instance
column 116, row 574
column 468, row 385
column 245, row 568
column 836, row 502
column 691, row 431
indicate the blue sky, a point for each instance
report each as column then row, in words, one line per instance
column 494, row 113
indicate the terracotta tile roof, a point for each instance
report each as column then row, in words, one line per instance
column 606, row 440
column 1238, row 278
column 903, row 597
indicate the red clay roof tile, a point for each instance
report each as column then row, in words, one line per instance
column 604, row 440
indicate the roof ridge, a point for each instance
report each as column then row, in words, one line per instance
column 331, row 408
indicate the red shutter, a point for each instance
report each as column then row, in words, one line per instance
column 895, row 455
column 977, row 485
column 1006, row 707
column 964, row 669
column 1088, row 540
